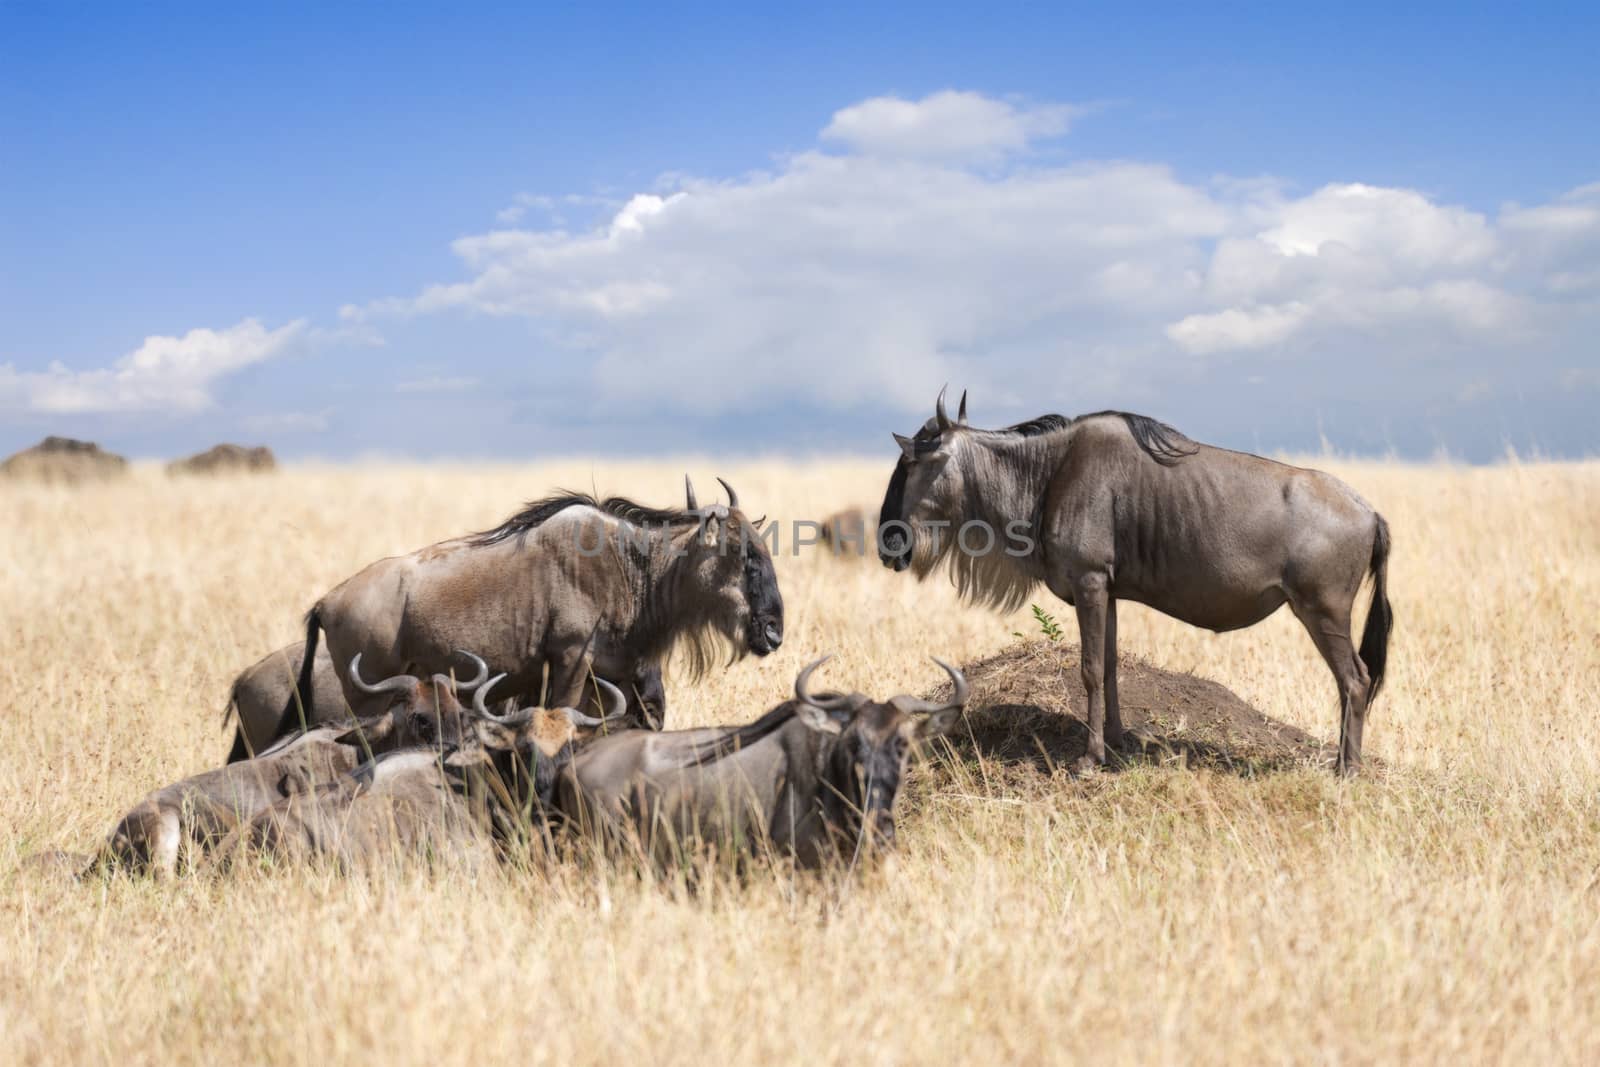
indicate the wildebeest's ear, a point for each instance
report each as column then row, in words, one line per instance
column 466, row 756
column 907, row 446
column 817, row 719
column 495, row 734
column 937, row 723
column 376, row 728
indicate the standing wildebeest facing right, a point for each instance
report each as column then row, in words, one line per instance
column 1113, row 506
column 570, row 584
column 815, row 775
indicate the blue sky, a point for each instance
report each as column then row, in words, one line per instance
column 508, row 232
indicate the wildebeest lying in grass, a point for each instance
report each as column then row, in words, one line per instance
column 260, row 692
column 493, row 784
column 199, row 810
column 572, row 586
column 812, row 778
column 1114, row 506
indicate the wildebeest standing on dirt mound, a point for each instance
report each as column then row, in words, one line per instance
column 1116, row 506
column 226, row 459
column 570, row 584
column 64, row 461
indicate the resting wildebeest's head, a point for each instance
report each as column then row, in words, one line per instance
column 420, row 713
column 731, row 563
column 526, row 748
column 871, row 744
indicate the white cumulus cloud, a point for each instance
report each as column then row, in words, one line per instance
column 163, row 374
column 949, row 125
column 829, row 275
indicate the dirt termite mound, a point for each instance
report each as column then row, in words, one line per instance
column 226, row 459
column 1026, row 718
column 64, row 461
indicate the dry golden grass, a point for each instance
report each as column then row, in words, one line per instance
column 1447, row 908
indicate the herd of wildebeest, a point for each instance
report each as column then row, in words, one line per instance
column 506, row 685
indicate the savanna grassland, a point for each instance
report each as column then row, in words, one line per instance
column 1444, row 907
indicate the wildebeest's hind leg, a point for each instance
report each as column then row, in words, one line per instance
column 569, row 669
column 1329, row 628
column 1091, row 597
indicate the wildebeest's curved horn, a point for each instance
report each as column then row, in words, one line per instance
column 914, row 705
column 616, row 704
column 803, row 679
column 939, row 411
column 688, row 493
column 961, row 416
column 482, row 676
column 389, row 685
column 733, row 498
column 480, row 698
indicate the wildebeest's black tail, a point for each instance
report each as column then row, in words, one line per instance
column 294, row 709
column 241, row 744
column 1380, row 617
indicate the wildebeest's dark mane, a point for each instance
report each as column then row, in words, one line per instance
column 537, row 512
column 1040, row 425
column 1160, row 442
column 732, row 740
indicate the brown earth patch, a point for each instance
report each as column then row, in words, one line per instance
column 64, row 461
column 1026, row 713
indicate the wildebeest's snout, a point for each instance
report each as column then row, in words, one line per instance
column 766, row 634
column 766, row 604
column 894, row 549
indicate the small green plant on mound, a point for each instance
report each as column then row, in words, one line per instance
column 1047, row 624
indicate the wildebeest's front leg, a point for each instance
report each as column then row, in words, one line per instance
column 1113, row 709
column 1091, row 596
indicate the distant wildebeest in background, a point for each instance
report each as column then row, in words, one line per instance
column 814, row 776
column 570, row 584
column 258, row 696
column 850, row 534
column 199, row 810
column 64, row 461
column 1116, row 506
column 226, row 459
column 491, row 785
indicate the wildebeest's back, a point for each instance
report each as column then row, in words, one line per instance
column 643, row 781
column 1211, row 538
